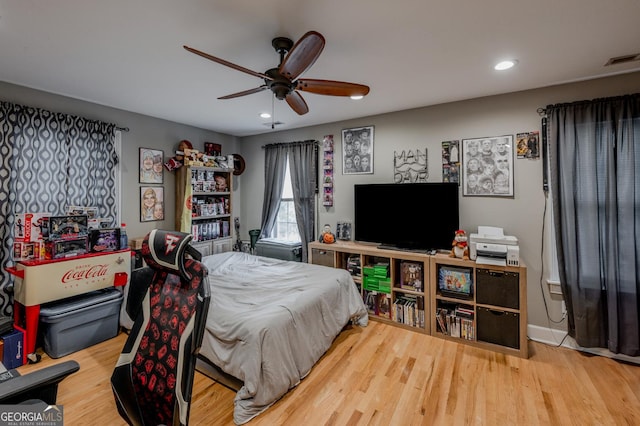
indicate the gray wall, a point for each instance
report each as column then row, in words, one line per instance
column 427, row 127
column 419, row 128
column 143, row 131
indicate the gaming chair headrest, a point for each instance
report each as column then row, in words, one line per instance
column 166, row 250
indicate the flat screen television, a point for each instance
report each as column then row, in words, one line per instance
column 406, row 216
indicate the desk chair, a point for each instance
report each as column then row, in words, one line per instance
column 153, row 378
column 37, row 385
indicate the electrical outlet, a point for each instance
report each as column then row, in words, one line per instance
column 564, row 308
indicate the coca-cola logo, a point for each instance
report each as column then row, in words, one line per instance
column 85, row 273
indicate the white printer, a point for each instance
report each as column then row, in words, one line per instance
column 490, row 246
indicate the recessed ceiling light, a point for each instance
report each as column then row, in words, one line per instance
column 356, row 97
column 505, row 65
column 265, row 115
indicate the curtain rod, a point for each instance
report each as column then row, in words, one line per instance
column 122, row 129
column 543, row 111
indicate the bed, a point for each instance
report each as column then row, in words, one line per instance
column 269, row 322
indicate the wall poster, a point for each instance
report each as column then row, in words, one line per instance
column 357, row 150
column 151, row 165
column 451, row 161
column 327, row 171
column 487, row 166
column 151, row 203
column 410, row 166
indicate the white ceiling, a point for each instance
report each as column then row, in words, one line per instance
column 412, row 53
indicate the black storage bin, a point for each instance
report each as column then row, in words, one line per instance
column 499, row 327
column 498, row 288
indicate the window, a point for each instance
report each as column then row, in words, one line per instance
column 286, row 226
column 553, row 280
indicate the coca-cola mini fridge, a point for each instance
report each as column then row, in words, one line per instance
column 45, row 281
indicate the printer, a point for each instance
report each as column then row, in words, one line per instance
column 490, row 246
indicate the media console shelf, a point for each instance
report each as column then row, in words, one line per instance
column 406, row 289
column 492, row 315
column 391, row 282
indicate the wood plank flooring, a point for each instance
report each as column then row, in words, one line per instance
column 383, row 375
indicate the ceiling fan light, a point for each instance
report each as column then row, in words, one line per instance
column 265, row 115
column 356, row 97
column 505, row 65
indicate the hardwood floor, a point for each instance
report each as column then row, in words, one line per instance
column 383, row 375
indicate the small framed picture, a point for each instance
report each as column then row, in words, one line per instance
column 151, row 165
column 357, row 150
column 151, row 203
column 343, row 230
column 487, row 166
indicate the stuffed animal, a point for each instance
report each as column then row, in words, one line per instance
column 327, row 236
column 460, row 248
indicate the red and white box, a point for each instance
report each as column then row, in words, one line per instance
column 29, row 227
column 28, row 251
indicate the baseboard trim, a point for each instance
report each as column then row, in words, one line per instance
column 553, row 337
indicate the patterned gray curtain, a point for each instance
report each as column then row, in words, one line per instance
column 49, row 161
column 92, row 166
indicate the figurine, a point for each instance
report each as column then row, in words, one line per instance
column 460, row 248
column 327, row 236
column 221, row 183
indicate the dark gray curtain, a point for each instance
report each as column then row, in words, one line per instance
column 49, row 161
column 594, row 158
column 302, row 161
column 275, row 161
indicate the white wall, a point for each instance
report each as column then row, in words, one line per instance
column 427, row 127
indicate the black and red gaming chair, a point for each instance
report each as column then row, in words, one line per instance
column 153, row 378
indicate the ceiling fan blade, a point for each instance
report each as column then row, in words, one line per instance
column 302, row 55
column 228, row 64
column 297, row 103
column 331, row 88
column 245, row 92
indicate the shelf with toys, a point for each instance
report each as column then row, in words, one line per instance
column 203, row 198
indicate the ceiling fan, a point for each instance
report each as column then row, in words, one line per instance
column 283, row 81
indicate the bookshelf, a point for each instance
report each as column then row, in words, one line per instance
column 404, row 291
column 391, row 282
column 210, row 221
column 493, row 312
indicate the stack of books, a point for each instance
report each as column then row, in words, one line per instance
column 456, row 321
column 353, row 265
column 409, row 310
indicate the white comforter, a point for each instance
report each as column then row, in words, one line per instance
column 271, row 320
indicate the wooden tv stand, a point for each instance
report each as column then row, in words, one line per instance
column 492, row 316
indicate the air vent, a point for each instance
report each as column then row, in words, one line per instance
column 623, row 59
